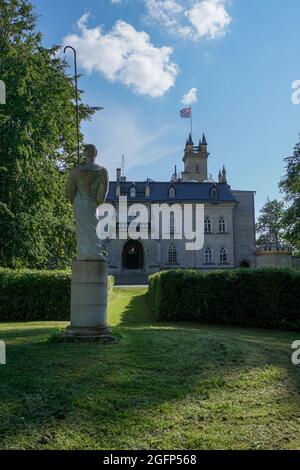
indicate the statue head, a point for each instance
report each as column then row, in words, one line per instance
column 90, row 153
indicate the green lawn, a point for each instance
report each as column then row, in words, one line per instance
column 165, row 386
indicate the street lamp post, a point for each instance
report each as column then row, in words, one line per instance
column 76, row 99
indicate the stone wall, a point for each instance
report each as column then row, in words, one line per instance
column 244, row 228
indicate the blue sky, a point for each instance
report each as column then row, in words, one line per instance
column 140, row 57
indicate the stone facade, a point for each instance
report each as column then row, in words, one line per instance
column 229, row 239
column 274, row 255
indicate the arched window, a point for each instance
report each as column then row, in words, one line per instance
column 207, row 224
column 208, row 256
column 197, row 168
column 222, row 225
column 223, row 256
column 132, row 192
column 172, row 254
column 172, row 192
column 172, row 223
column 214, row 193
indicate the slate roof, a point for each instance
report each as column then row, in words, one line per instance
column 159, row 191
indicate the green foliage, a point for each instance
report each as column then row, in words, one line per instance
column 37, row 145
column 36, row 295
column 290, row 185
column 269, row 224
column 174, row 386
column 261, row 298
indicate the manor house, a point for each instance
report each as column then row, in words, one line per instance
column 229, row 221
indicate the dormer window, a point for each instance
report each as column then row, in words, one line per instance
column 214, row 194
column 118, row 190
column 172, row 193
column 132, row 192
column 147, row 191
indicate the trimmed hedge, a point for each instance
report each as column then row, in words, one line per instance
column 260, row 298
column 36, row 295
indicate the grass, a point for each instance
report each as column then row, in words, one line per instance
column 165, row 386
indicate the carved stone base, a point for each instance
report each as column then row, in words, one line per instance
column 95, row 335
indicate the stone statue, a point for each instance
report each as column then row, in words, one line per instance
column 87, row 188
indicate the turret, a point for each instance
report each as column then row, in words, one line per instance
column 224, row 175
column 195, row 160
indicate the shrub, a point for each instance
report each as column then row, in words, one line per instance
column 36, row 295
column 261, row 298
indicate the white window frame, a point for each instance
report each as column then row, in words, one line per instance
column 207, row 224
column 172, row 254
column 208, row 255
column 222, row 224
column 223, row 256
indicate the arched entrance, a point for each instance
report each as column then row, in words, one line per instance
column 133, row 255
column 244, row 264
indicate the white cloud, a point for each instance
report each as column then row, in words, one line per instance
column 209, row 18
column 124, row 55
column 203, row 19
column 116, row 1
column 190, row 97
column 118, row 131
column 168, row 13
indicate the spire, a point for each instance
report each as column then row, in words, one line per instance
column 204, row 139
column 224, row 175
column 190, row 140
column 220, row 177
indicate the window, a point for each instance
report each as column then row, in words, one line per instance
column 172, row 254
column 132, row 192
column 208, row 256
column 147, row 191
column 172, row 223
column 197, row 168
column 223, row 256
column 222, row 225
column 207, row 225
column 214, row 193
column 172, row 192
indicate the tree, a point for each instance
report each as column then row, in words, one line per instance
column 269, row 225
column 37, row 144
column 290, row 185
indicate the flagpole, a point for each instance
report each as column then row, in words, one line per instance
column 191, row 121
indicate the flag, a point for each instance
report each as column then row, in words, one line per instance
column 186, row 113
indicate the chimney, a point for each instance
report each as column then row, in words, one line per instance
column 119, row 174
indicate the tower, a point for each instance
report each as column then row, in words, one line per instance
column 195, row 161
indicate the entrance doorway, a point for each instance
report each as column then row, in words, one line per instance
column 244, row 264
column 133, row 255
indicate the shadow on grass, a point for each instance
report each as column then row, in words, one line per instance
column 109, row 396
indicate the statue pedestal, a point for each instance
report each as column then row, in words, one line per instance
column 88, row 301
